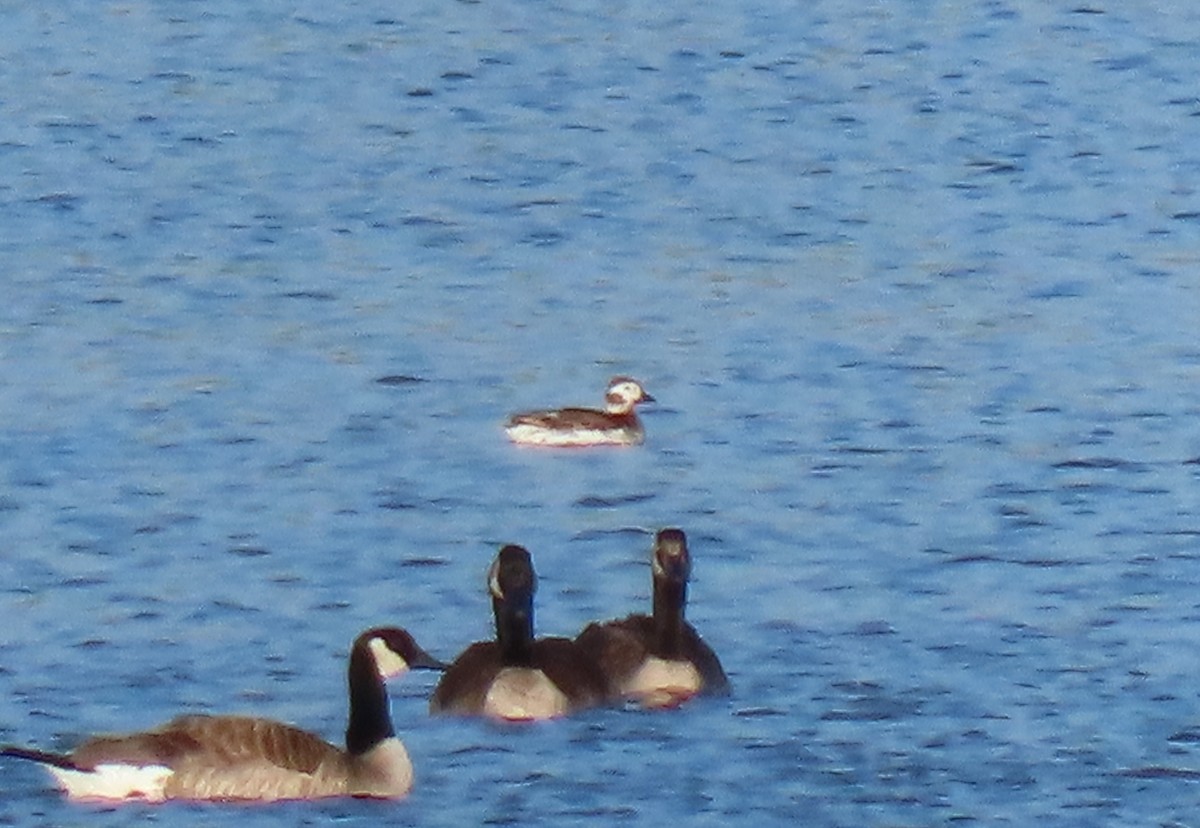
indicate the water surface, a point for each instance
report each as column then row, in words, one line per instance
column 915, row 287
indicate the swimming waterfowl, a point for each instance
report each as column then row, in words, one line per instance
column 617, row 424
column 202, row 757
column 657, row 660
column 517, row 677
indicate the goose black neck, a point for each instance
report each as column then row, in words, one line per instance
column 370, row 717
column 670, row 599
column 514, row 628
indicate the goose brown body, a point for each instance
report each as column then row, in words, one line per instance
column 657, row 660
column 202, row 757
column 556, row 680
column 517, row 677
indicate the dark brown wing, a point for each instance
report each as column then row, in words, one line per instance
column 463, row 687
column 222, row 739
column 575, row 673
column 242, row 738
column 583, row 418
column 154, row 747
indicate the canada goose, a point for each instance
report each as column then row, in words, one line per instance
column 202, row 757
column 616, row 425
column 515, row 677
column 660, row 660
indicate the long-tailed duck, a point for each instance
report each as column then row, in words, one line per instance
column 616, row 425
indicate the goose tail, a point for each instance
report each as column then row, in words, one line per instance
column 42, row 757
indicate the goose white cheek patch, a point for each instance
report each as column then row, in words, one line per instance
column 388, row 662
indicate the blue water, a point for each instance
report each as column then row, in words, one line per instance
column 916, row 286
